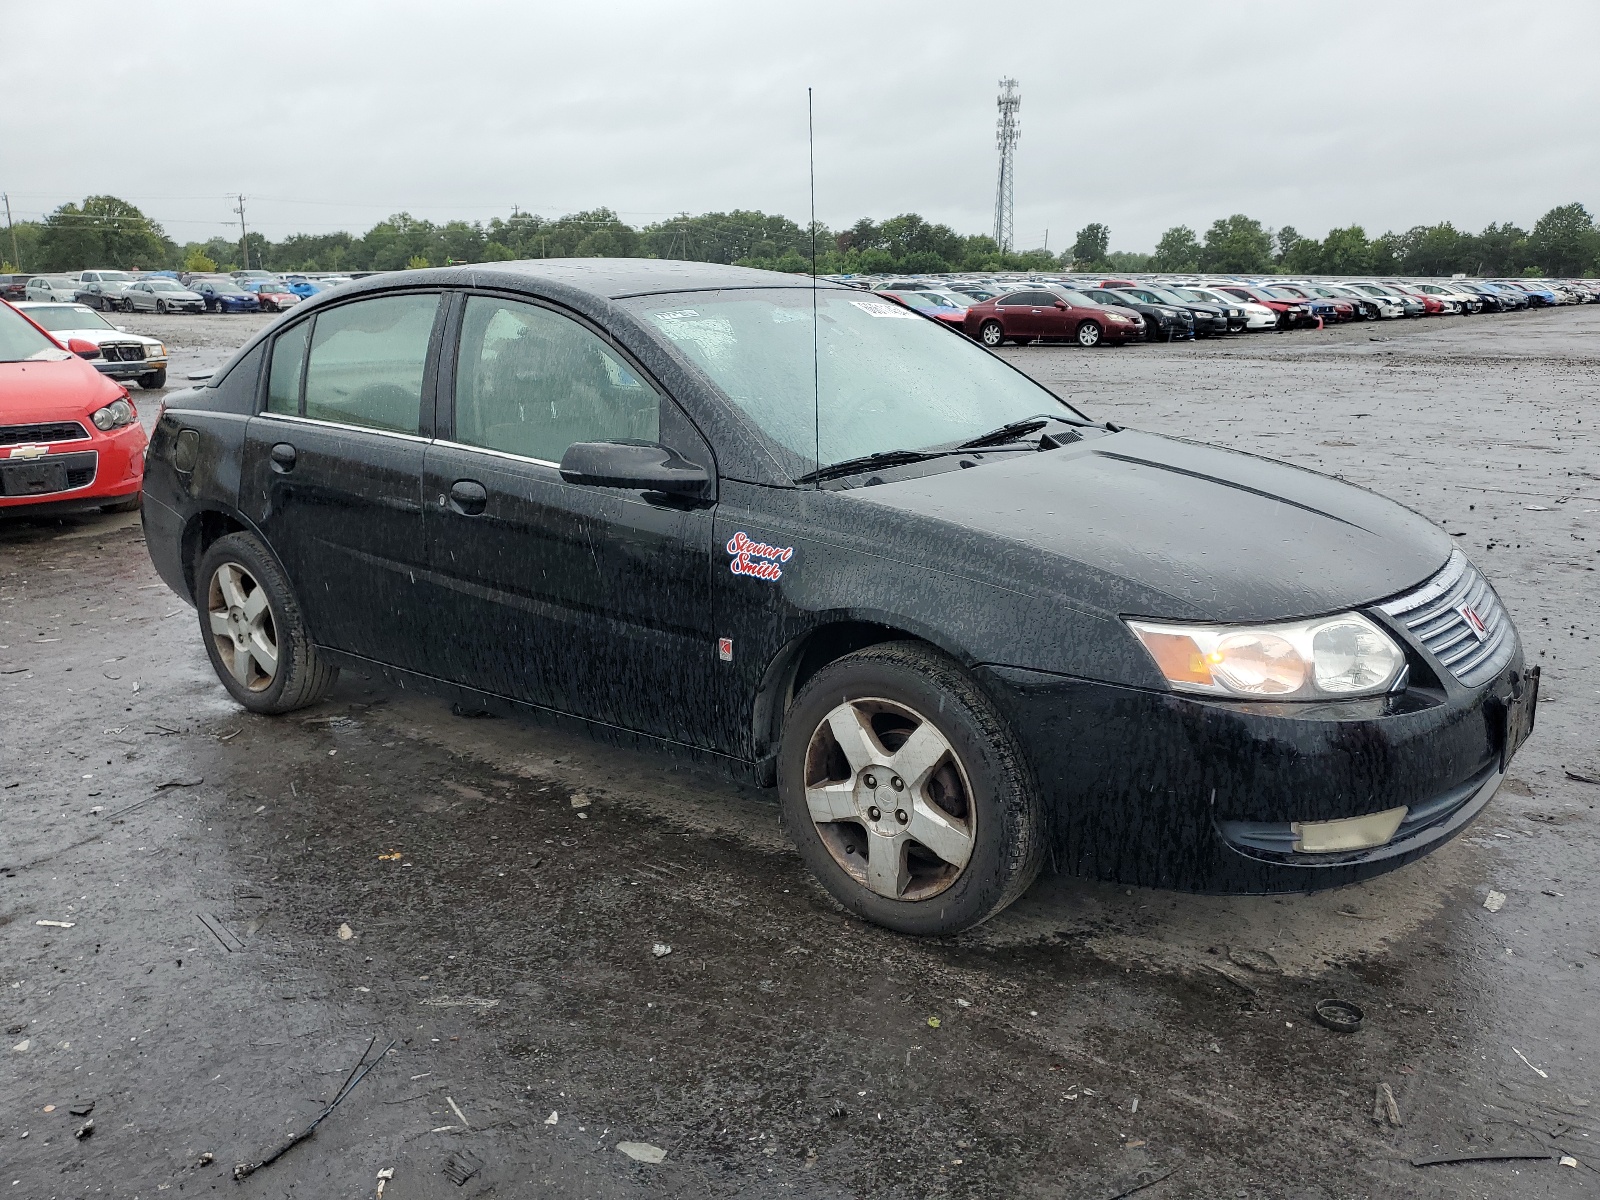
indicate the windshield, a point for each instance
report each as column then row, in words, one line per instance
column 115, row 277
column 1077, row 299
column 929, row 300
column 883, row 378
column 1284, row 294
column 1167, row 296
column 76, row 316
column 225, row 288
column 21, row 342
column 165, row 285
column 62, row 282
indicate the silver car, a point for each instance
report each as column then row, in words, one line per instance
column 162, row 295
column 52, row 289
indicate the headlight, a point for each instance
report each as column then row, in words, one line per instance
column 156, row 351
column 114, row 415
column 1326, row 658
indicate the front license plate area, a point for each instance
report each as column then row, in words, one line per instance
column 33, row 478
column 1520, row 716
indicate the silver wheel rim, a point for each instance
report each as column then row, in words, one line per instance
column 993, row 335
column 241, row 624
column 890, row 799
column 1088, row 334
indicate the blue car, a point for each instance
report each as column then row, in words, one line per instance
column 224, row 295
column 1539, row 296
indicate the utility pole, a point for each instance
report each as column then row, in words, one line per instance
column 16, row 257
column 244, row 240
column 1008, row 128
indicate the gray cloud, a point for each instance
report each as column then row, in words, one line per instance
column 333, row 115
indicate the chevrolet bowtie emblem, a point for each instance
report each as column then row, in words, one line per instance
column 29, row 451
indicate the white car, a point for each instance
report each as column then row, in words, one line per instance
column 1389, row 307
column 123, row 355
column 1466, row 302
column 52, row 289
column 1256, row 316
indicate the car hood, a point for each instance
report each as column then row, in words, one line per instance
column 65, row 390
column 184, row 297
column 1142, row 525
column 101, row 336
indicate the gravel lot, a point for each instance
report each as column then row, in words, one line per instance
column 504, row 886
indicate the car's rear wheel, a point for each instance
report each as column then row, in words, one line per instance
column 1089, row 334
column 992, row 334
column 906, row 793
column 253, row 629
column 154, row 380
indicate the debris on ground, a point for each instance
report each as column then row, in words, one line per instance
column 661, row 949
column 85, row 1130
column 1341, row 1016
column 461, row 1166
column 1259, row 961
column 1384, row 1108
column 1568, row 1161
column 456, row 1108
column 22, row 1046
column 57, row 924
column 1143, row 1183
column 1494, row 901
column 351, row 1081
column 483, row 1003
column 83, row 1109
column 1581, row 778
column 1484, row 1156
column 383, row 1178
column 580, row 800
column 934, row 1022
column 642, row 1152
column 179, row 783
column 346, row 933
column 392, row 856
column 1529, row 1065
column 551, row 1119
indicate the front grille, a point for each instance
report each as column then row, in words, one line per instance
column 32, row 435
column 123, row 352
column 1434, row 615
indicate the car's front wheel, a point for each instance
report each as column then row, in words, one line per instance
column 154, row 380
column 161, row 307
column 1088, row 334
column 907, row 794
column 253, row 629
column 992, row 334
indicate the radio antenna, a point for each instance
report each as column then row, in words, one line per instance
column 816, row 368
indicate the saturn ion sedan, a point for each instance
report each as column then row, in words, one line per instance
column 798, row 529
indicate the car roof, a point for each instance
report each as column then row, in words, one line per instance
column 607, row 278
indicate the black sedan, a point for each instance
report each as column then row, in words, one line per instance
column 1162, row 322
column 806, row 533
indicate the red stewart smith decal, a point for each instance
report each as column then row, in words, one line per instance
column 757, row 559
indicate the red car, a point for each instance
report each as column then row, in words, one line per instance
column 274, row 294
column 1290, row 312
column 70, row 438
column 1038, row 315
column 1343, row 310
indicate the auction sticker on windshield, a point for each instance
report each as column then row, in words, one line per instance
column 880, row 308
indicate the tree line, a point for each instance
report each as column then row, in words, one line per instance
column 109, row 232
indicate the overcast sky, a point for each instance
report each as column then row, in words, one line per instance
column 331, row 114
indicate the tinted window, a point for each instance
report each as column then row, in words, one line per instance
column 530, row 381
column 366, row 362
column 283, row 383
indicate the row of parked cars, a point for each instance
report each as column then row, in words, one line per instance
column 170, row 291
column 1100, row 311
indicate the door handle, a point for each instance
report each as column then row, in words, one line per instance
column 283, row 458
column 468, row 497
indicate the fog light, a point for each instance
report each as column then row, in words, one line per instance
column 1352, row 833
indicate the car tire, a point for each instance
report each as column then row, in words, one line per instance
column 130, row 504
column 973, row 797
column 127, row 306
column 154, row 381
column 161, row 307
column 253, row 629
column 1089, row 334
column 992, row 334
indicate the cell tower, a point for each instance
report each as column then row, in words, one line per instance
column 1007, row 130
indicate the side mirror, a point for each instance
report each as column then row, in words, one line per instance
column 1061, row 303
column 638, row 466
column 83, row 349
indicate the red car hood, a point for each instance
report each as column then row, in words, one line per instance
column 32, row 392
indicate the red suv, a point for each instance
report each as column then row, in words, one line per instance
column 1038, row 315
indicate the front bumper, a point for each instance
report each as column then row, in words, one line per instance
column 100, row 470
column 1166, row 790
column 130, row 370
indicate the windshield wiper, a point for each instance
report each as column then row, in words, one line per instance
column 882, row 458
column 1015, row 429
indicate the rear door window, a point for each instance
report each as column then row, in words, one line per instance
column 283, row 380
column 367, row 360
column 531, row 382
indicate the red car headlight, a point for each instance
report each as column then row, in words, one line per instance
column 114, row 416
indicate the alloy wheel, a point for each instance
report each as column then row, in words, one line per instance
column 992, row 334
column 241, row 622
column 1088, row 334
column 890, row 799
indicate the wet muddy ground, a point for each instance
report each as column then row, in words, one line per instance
column 504, row 888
